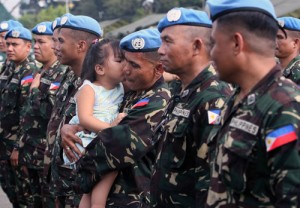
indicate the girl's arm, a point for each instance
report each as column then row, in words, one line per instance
column 85, row 103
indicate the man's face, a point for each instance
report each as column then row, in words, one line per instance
column 42, row 48
column 285, row 45
column 221, row 55
column 54, row 42
column 66, row 47
column 2, row 42
column 176, row 49
column 139, row 72
column 17, row 50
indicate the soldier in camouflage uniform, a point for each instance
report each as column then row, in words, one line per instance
column 14, row 90
column 4, row 27
column 76, row 34
column 288, row 48
column 38, row 107
column 254, row 156
column 181, row 172
column 128, row 147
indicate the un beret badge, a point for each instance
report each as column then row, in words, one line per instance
column 63, row 20
column 54, row 24
column 173, row 15
column 15, row 34
column 41, row 28
column 281, row 23
column 138, row 43
column 4, row 25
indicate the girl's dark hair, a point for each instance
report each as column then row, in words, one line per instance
column 97, row 54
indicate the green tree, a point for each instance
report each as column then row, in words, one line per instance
column 88, row 8
column 49, row 14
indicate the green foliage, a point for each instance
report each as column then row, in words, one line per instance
column 294, row 14
column 49, row 14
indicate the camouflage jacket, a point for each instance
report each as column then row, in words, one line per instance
column 15, row 83
column 36, row 114
column 292, row 71
column 254, row 156
column 127, row 148
column 69, row 85
column 181, row 171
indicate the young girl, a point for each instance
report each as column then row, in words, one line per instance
column 97, row 103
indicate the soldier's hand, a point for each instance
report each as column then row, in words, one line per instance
column 14, row 158
column 68, row 140
column 36, row 81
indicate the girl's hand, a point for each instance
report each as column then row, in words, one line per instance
column 36, row 81
column 118, row 119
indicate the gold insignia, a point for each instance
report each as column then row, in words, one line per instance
column 63, row 20
column 138, row 43
column 41, row 28
column 173, row 15
column 4, row 25
column 15, row 33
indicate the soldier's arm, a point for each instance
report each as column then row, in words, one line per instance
column 284, row 159
column 120, row 146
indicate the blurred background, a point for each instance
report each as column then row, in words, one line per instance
column 117, row 17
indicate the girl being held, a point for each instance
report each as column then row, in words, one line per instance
column 97, row 106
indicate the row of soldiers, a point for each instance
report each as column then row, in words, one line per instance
column 194, row 142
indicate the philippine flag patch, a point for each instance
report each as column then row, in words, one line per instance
column 27, row 80
column 214, row 116
column 54, row 85
column 141, row 103
column 280, row 137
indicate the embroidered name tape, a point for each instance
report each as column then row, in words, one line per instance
column 244, row 126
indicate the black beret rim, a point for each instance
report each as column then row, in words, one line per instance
column 241, row 9
column 140, row 50
column 42, row 33
column 19, row 38
column 291, row 29
column 189, row 24
column 81, row 29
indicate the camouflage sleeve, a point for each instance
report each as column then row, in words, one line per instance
column 284, row 155
column 120, row 146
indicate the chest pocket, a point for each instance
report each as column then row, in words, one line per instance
column 177, row 129
column 11, row 94
column 236, row 157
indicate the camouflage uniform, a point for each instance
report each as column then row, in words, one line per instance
column 127, row 148
column 2, row 57
column 247, row 170
column 63, row 110
column 15, row 83
column 35, row 116
column 292, row 71
column 181, row 171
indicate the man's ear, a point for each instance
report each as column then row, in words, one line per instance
column 158, row 69
column 238, row 43
column 99, row 69
column 197, row 46
column 81, row 46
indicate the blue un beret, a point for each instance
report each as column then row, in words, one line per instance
column 7, row 25
column 141, row 41
column 83, row 23
column 289, row 23
column 183, row 16
column 218, row 8
column 19, row 32
column 43, row 28
column 56, row 23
